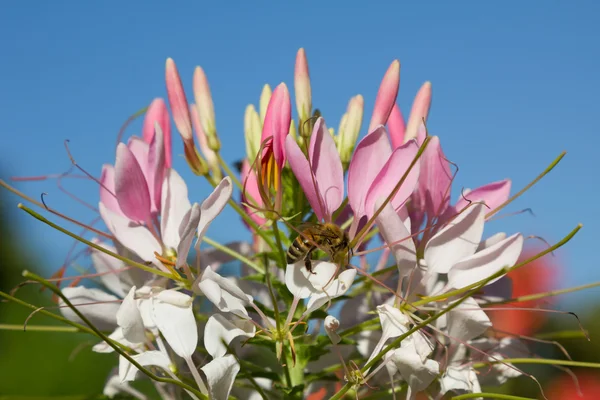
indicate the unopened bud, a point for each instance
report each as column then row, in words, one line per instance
column 419, row 111
column 252, row 132
column 178, row 103
column 265, row 98
column 211, row 156
column 350, row 128
column 331, row 326
column 386, row 96
column 302, row 86
column 293, row 130
column 206, row 109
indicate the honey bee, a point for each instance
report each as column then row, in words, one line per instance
column 328, row 237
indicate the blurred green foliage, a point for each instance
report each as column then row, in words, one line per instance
column 33, row 364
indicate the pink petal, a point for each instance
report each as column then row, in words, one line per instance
column 386, row 96
column 435, row 180
column 371, row 154
column 140, row 150
column 493, row 194
column 327, row 167
column 277, row 121
column 396, row 127
column 325, row 193
column 389, row 176
column 107, row 189
column 130, row 186
column 156, row 168
column 157, row 112
column 178, row 101
column 248, row 178
column 302, row 171
column 419, row 111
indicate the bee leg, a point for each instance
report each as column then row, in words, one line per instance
column 308, row 263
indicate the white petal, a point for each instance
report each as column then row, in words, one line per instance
column 486, row 262
column 321, row 275
column 187, row 229
column 393, row 321
column 219, row 329
column 130, row 319
column 117, row 336
column 223, row 300
column 213, row 205
column 297, row 281
column 128, row 371
column 104, row 264
column 175, row 204
column 131, row 235
column 416, row 373
column 175, row 322
column 226, row 284
column 96, row 305
column 220, row 374
column 393, row 230
column 492, row 240
column 338, row 287
column 460, row 379
column 332, row 324
column 467, row 321
column 458, row 240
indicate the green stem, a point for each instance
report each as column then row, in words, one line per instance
column 526, row 188
column 547, row 361
column 39, row 328
column 56, row 290
column 490, row 396
column 234, row 254
column 47, row 313
column 561, row 335
column 229, row 172
column 542, row 295
column 99, row 248
column 278, row 242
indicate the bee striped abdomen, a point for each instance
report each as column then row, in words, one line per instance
column 298, row 250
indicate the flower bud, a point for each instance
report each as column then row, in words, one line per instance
column 211, row 156
column 419, row 111
column 350, row 128
column 331, row 326
column 205, row 106
column 265, row 97
column 302, row 86
column 252, row 132
column 178, row 102
column 386, row 96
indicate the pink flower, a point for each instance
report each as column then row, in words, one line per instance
column 321, row 176
column 277, row 122
column 132, row 187
column 157, row 113
column 374, row 172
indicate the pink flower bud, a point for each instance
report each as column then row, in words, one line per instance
column 302, row 86
column 157, row 112
column 178, row 102
column 419, row 111
column 386, row 96
column 205, row 106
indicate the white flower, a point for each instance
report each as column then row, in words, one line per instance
column 319, row 286
column 454, row 250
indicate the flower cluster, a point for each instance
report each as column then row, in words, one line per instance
column 362, row 275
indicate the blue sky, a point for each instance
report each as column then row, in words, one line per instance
column 514, row 84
